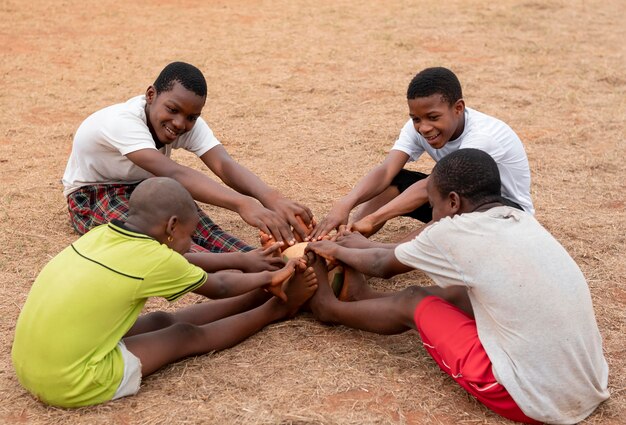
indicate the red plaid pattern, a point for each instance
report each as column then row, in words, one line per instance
column 91, row 206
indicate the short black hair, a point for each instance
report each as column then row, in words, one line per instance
column 471, row 173
column 436, row 80
column 187, row 75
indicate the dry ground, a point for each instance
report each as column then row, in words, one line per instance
column 310, row 95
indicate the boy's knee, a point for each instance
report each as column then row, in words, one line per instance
column 188, row 334
column 413, row 291
column 161, row 319
column 411, row 296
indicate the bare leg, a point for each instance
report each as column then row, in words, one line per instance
column 355, row 287
column 199, row 314
column 159, row 348
column 388, row 315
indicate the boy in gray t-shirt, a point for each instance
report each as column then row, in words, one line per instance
column 511, row 317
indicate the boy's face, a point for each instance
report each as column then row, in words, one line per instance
column 173, row 112
column 436, row 120
column 442, row 206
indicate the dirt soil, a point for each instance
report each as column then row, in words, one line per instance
column 310, row 95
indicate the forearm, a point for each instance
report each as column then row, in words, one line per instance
column 213, row 262
column 204, row 189
column 229, row 284
column 246, row 182
column 413, row 197
column 367, row 188
column 374, row 261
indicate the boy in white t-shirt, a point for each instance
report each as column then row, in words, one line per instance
column 118, row 147
column 439, row 124
column 510, row 319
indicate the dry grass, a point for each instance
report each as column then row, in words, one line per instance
column 309, row 95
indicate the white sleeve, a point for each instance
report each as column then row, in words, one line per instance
column 409, row 142
column 127, row 133
column 199, row 140
column 485, row 143
column 423, row 253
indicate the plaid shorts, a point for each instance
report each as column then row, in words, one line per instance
column 91, row 206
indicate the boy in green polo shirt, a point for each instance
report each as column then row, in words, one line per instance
column 79, row 339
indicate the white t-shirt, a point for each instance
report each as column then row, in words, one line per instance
column 532, row 307
column 105, row 138
column 488, row 134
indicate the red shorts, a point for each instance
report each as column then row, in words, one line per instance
column 451, row 338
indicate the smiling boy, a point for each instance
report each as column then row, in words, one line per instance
column 117, row 147
column 439, row 124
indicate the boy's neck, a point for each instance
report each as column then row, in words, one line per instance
column 487, row 206
column 130, row 225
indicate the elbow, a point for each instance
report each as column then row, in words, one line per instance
column 384, row 267
column 223, row 291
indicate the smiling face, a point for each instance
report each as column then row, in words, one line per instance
column 172, row 113
column 436, row 120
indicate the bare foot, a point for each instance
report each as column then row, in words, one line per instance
column 299, row 289
column 281, row 277
column 324, row 295
column 366, row 226
column 354, row 287
column 265, row 239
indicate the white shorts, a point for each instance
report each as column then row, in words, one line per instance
column 132, row 373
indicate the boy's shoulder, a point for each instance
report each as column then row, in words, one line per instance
column 481, row 121
column 127, row 252
column 133, row 109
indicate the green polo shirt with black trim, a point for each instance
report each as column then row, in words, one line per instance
column 81, row 305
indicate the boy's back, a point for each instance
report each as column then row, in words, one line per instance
column 83, row 303
column 531, row 302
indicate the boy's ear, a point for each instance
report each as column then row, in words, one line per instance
column 459, row 106
column 150, row 94
column 170, row 228
column 454, row 200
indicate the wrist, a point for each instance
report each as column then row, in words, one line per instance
column 269, row 198
column 245, row 204
column 345, row 204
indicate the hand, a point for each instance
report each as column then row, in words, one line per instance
column 262, row 259
column 349, row 239
column 266, row 220
column 299, row 217
column 337, row 216
column 325, row 249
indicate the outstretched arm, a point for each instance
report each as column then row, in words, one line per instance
column 372, row 184
column 244, row 181
column 229, row 284
column 414, row 197
column 378, row 262
column 257, row 260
